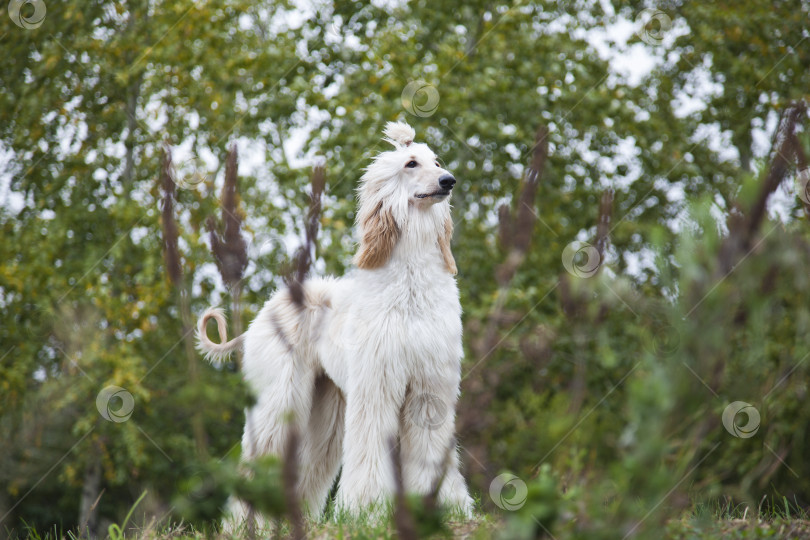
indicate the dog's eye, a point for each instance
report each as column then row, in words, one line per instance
column 411, row 164
column 437, row 164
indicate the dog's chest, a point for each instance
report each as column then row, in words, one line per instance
column 410, row 325
column 418, row 316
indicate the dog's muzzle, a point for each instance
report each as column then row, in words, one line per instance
column 446, row 183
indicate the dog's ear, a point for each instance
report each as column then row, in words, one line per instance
column 380, row 233
column 444, row 244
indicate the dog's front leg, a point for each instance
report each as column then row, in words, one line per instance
column 372, row 420
column 428, row 445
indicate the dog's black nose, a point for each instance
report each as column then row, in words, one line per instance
column 446, row 181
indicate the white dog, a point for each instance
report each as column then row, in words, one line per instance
column 371, row 357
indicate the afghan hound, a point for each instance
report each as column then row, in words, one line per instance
column 370, row 358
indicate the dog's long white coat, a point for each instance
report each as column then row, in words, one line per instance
column 372, row 356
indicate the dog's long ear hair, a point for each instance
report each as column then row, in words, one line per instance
column 379, row 233
column 444, row 244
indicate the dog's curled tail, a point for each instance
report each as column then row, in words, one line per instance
column 216, row 352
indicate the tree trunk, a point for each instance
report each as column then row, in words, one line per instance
column 88, row 507
column 133, row 93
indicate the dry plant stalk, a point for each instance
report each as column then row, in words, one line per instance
column 603, row 226
column 743, row 228
column 171, row 253
column 290, row 479
column 573, row 304
column 785, row 150
column 229, row 248
column 516, row 232
column 516, row 228
column 804, row 171
column 295, row 279
column 295, row 276
column 403, row 519
column 303, row 257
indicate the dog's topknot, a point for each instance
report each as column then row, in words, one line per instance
column 399, row 133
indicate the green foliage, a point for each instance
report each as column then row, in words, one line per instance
column 545, row 504
column 204, row 491
column 604, row 394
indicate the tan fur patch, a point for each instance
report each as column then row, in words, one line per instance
column 444, row 244
column 380, row 235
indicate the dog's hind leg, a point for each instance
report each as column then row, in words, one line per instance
column 283, row 406
column 321, row 445
column 281, row 374
column 280, row 369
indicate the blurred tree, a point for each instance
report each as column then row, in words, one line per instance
column 613, row 370
column 87, row 100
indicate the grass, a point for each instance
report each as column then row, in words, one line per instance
column 780, row 519
column 702, row 521
column 481, row 527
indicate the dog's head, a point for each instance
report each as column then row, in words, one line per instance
column 404, row 187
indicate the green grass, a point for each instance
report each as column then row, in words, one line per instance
column 781, row 519
column 481, row 527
